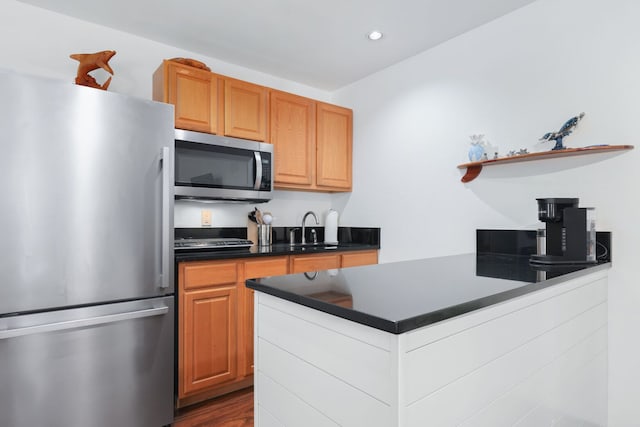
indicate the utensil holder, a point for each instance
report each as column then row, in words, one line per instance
column 264, row 234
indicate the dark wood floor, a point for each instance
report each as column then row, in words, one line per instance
column 232, row 410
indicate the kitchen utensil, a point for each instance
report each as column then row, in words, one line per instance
column 267, row 218
column 259, row 219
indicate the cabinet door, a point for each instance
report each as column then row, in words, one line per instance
column 292, row 127
column 353, row 259
column 245, row 110
column 265, row 267
column 334, row 147
column 195, row 95
column 247, row 331
column 208, row 332
column 304, row 263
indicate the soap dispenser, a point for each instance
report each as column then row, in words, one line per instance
column 331, row 227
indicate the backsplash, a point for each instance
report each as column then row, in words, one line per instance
column 287, row 208
column 523, row 243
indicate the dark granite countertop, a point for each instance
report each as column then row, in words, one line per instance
column 350, row 239
column 273, row 250
column 402, row 296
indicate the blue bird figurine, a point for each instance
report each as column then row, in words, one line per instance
column 565, row 130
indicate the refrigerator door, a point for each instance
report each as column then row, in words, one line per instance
column 83, row 181
column 107, row 365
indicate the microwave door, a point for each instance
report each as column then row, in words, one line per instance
column 216, row 167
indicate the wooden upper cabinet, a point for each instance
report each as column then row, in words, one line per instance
column 293, row 134
column 334, row 147
column 312, row 143
column 245, row 110
column 195, row 94
column 313, row 140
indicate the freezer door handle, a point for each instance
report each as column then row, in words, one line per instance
column 167, row 227
column 79, row 323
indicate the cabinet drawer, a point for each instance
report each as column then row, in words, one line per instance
column 203, row 274
column 301, row 264
column 265, row 267
column 354, row 259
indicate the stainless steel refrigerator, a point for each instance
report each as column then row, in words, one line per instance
column 86, row 257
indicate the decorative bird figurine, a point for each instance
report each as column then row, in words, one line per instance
column 90, row 62
column 565, row 130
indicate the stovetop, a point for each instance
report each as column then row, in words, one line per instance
column 211, row 243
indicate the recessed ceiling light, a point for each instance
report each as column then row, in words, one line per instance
column 374, row 35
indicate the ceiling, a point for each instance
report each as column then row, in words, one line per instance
column 319, row 43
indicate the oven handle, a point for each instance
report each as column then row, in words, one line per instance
column 258, row 160
column 79, row 323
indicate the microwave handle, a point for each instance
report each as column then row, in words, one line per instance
column 258, row 159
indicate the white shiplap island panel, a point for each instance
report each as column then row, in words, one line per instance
column 538, row 359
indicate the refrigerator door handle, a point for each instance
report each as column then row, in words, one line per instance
column 167, row 227
column 79, row 323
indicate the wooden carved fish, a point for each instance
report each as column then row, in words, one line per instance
column 90, row 62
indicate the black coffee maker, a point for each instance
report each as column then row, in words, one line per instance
column 570, row 232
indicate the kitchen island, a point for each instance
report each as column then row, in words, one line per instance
column 434, row 342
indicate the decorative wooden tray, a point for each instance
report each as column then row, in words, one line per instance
column 474, row 168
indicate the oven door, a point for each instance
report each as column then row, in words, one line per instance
column 221, row 168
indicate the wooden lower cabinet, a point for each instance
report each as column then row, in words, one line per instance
column 354, row 259
column 210, row 346
column 262, row 267
column 247, row 330
column 215, row 325
column 215, row 317
column 305, row 263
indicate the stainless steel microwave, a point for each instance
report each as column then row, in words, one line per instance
column 213, row 167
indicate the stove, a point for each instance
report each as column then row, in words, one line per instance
column 217, row 243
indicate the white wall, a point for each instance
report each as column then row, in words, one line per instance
column 36, row 41
column 513, row 79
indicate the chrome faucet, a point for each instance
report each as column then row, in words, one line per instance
column 304, row 219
